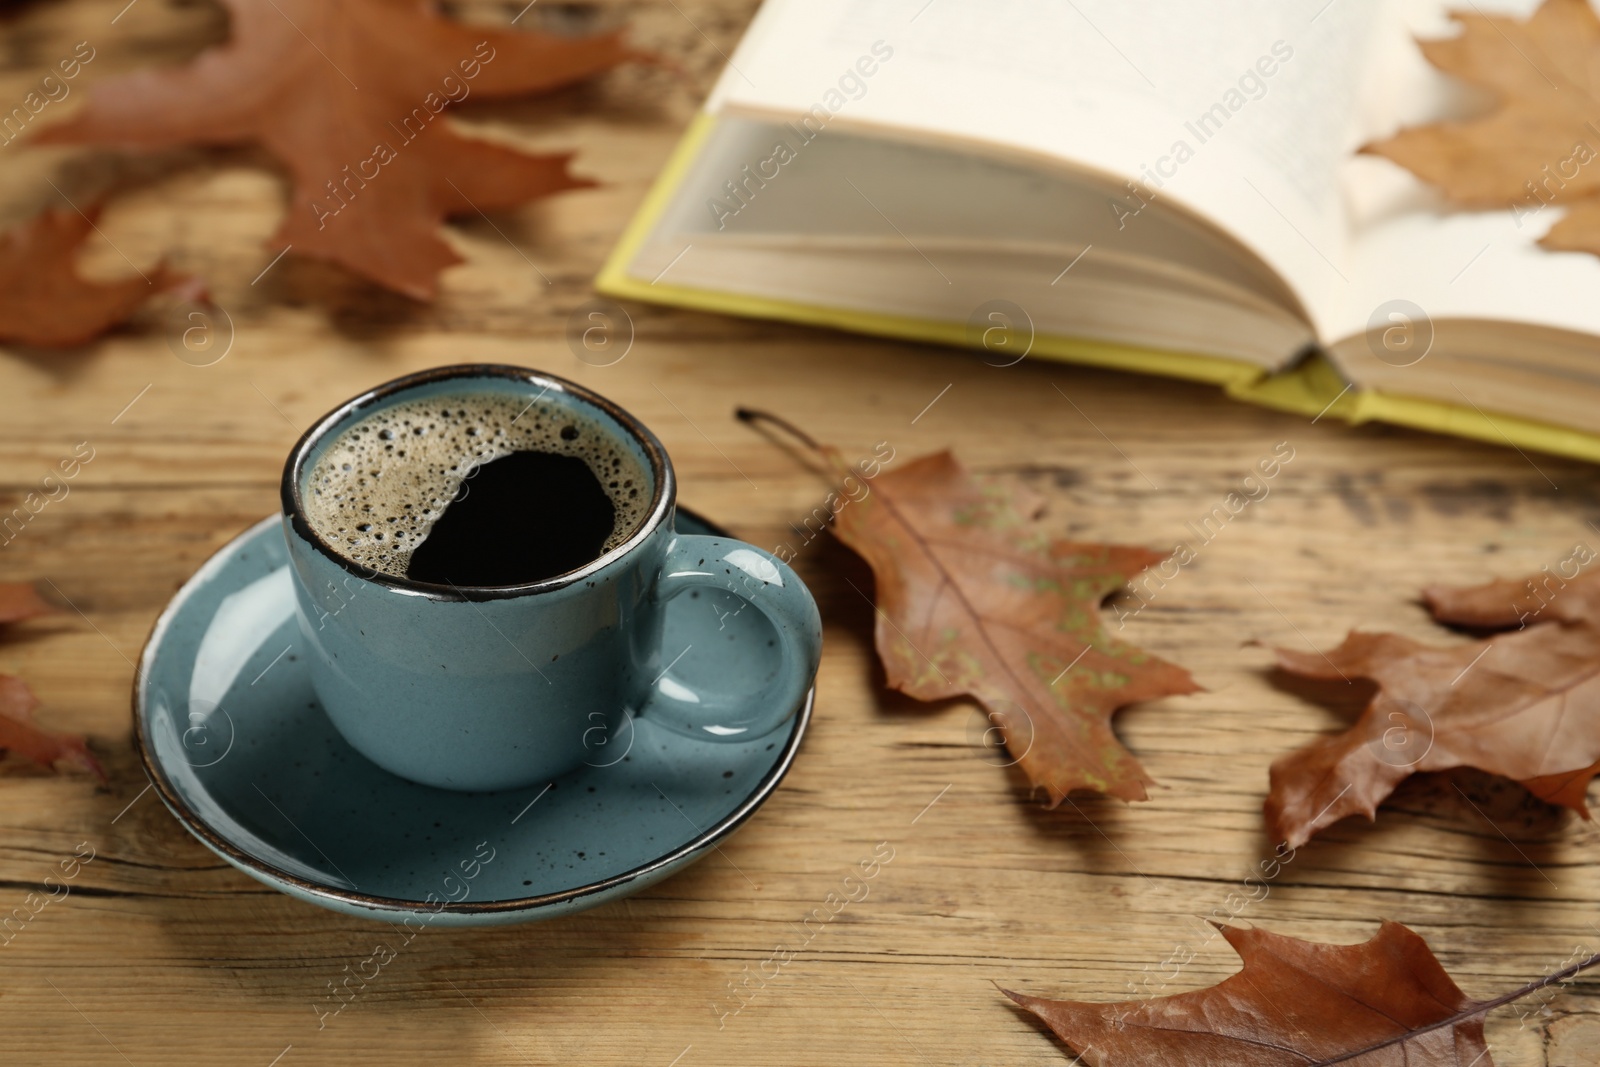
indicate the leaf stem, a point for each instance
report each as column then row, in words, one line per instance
column 755, row 417
column 1548, row 980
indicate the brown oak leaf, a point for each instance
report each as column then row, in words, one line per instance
column 20, row 601
column 1297, row 1004
column 1524, row 704
column 971, row 603
column 1535, row 145
column 44, row 302
column 20, row 734
column 349, row 96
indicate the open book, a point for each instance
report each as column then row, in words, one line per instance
column 1172, row 188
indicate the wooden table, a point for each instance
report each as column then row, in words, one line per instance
column 164, row 955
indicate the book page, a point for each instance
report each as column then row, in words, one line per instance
column 969, row 231
column 1241, row 116
column 1413, row 253
column 831, row 188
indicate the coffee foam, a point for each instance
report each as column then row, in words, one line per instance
column 380, row 485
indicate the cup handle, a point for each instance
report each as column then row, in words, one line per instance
column 766, row 584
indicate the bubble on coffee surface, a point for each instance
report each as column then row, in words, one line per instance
column 382, row 483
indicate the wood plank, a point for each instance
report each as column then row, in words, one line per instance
column 162, row 954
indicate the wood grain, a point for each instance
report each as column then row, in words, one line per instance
column 162, row 954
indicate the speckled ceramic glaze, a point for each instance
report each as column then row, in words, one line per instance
column 238, row 747
column 499, row 687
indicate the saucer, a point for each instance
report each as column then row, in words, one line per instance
column 234, row 741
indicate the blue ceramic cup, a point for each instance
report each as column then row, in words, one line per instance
column 495, row 687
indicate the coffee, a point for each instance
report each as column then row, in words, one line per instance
column 476, row 489
column 498, row 529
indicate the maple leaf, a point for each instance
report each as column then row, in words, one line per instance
column 970, row 603
column 20, row 734
column 20, row 601
column 1534, row 146
column 44, row 302
column 347, row 95
column 1524, row 704
column 1386, row 1001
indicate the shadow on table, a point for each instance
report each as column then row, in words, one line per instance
column 1511, row 838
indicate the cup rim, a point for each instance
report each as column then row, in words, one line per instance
column 661, row 500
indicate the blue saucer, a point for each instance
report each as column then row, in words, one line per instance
column 235, row 743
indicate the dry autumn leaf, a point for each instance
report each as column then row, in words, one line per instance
column 1297, row 1004
column 1533, row 148
column 44, row 302
column 20, row 601
column 349, row 96
column 1524, row 704
column 972, row 604
column 20, row 734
